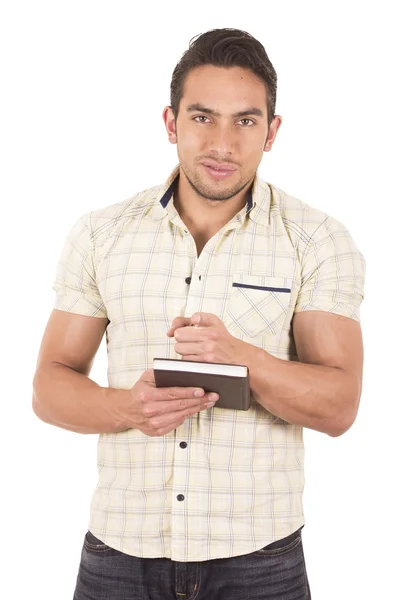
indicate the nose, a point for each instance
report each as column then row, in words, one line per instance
column 222, row 140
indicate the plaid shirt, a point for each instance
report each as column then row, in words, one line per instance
column 236, row 483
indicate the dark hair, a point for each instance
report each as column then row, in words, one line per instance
column 226, row 48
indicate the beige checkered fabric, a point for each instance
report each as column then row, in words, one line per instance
column 238, row 483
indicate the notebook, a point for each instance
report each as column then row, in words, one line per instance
column 231, row 382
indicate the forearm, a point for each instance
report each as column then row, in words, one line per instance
column 314, row 396
column 70, row 400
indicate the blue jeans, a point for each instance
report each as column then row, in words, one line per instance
column 275, row 572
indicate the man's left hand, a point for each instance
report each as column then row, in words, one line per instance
column 203, row 337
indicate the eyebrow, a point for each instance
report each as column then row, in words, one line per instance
column 252, row 110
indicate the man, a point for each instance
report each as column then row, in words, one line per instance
column 216, row 265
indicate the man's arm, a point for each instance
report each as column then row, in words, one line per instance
column 322, row 391
column 63, row 395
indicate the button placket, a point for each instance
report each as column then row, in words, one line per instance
column 195, row 286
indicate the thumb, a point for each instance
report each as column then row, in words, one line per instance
column 195, row 319
column 203, row 319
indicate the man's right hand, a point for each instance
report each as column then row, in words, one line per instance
column 157, row 411
column 64, row 395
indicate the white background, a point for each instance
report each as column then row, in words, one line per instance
column 83, row 87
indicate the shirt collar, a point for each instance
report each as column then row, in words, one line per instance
column 257, row 207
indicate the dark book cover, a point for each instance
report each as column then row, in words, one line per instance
column 234, row 391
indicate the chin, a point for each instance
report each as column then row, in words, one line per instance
column 218, row 192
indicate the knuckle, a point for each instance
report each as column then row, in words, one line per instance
column 142, row 396
column 156, row 424
column 183, row 403
column 149, row 411
column 171, row 394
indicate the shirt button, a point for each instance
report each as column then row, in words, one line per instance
column 183, row 445
column 180, row 497
column 188, row 280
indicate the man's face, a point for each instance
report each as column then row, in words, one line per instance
column 221, row 129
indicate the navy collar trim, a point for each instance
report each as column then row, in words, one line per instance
column 167, row 196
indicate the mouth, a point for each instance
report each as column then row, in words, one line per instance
column 218, row 171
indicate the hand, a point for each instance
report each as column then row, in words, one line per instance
column 157, row 411
column 203, row 337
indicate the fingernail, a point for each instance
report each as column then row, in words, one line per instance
column 210, row 404
column 199, row 393
column 213, row 397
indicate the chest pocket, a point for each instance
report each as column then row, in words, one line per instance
column 258, row 305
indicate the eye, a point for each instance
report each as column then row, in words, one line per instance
column 200, row 117
column 247, row 122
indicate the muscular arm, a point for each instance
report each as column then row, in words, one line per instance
column 322, row 391
column 63, row 394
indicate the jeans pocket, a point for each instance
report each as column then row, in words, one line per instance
column 93, row 544
column 281, row 546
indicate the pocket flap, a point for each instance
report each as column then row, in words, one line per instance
column 280, row 283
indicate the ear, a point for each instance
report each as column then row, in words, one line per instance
column 170, row 124
column 273, row 129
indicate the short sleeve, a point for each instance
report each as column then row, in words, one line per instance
column 75, row 282
column 333, row 272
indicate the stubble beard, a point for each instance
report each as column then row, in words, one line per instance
column 209, row 193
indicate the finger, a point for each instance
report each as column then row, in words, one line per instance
column 191, row 334
column 203, row 319
column 193, row 357
column 190, row 348
column 171, row 420
column 196, row 318
column 177, row 393
column 175, row 407
column 176, row 323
